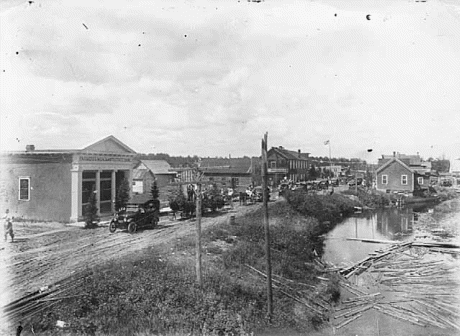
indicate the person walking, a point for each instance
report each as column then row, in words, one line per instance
column 8, row 225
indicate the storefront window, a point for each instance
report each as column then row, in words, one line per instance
column 24, row 188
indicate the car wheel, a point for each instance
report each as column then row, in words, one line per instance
column 154, row 222
column 112, row 227
column 132, row 227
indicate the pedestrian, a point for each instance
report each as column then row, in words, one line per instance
column 8, row 225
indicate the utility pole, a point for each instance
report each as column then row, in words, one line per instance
column 199, row 278
column 267, row 228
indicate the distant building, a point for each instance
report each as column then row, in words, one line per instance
column 55, row 185
column 402, row 173
column 287, row 164
column 455, row 167
column 336, row 170
column 146, row 171
column 236, row 173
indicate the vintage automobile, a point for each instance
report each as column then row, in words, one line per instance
column 136, row 216
column 258, row 194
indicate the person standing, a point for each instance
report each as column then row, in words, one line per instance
column 8, row 225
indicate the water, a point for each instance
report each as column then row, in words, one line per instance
column 383, row 224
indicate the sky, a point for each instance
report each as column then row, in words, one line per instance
column 209, row 78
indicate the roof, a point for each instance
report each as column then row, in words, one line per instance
column 410, row 159
column 155, row 166
column 393, row 159
column 225, row 170
column 139, row 174
column 109, row 144
column 289, row 154
column 227, row 165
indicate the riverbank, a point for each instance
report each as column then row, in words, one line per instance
column 154, row 290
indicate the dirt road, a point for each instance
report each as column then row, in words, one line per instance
column 46, row 253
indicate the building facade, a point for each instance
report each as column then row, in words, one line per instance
column 147, row 171
column 286, row 164
column 395, row 176
column 55, row 185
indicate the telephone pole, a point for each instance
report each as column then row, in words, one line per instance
column 267, row 228
column 199, row 277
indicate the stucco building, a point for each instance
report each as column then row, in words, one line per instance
column 55, row 185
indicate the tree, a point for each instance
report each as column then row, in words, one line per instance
column 90, row 213
column 122, row 197
column 312, row 172
column 213, row 199
column 154, row 190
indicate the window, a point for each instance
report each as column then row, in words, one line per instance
column 138, row 187
column 384, row 179
column 272, row 164
column 24, row 188
column 404, row 179
column 420, row 180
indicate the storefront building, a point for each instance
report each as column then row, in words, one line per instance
column 55, row 185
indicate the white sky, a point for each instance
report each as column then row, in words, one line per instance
column 211, row 77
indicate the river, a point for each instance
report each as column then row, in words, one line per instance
column 417, row 283
column 383, row 224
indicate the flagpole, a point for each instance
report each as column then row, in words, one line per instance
column 330, row 160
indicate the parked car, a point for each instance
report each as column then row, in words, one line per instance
column 258, row 194
column 352, row 182
column 334, row 182
column 136, row 216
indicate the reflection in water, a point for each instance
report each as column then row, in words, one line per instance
column 382, row 224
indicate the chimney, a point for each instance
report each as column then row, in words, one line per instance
column 299, row 153
column 30, row 148
column 280, row 147
column 394, row 154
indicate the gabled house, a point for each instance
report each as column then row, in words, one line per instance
column 402, row 173
column 287, row 164
column 147, row 171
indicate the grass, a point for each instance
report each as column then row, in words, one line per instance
column 149, row 294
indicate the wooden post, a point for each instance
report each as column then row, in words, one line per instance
column 199, row 278
column 267, row 228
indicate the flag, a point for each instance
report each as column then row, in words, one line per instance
column 326, row 142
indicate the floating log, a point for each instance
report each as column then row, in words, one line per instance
column 435, row 244
column 362, row 297
column 377, row 241
column 395, row 315
column 354, row 312
column 344, row 323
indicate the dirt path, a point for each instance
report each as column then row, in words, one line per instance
column 39, row 259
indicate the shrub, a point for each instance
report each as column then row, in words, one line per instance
column 213, row 199
column 90, row 212
column 445, row 194
column 122, row 196
column 371, row 198
column 326, row 208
